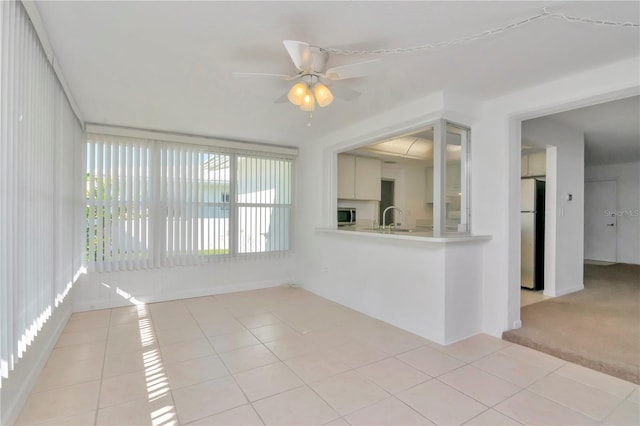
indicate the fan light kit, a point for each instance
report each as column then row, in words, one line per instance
column 306, row 95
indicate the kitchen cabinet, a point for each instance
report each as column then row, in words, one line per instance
column 524, row 165
column 538, row 164
column 368, row 177
column 359, row 177
column 346, row 176
column 534, row 164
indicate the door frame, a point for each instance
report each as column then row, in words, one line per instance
column 395, row 173
column 393, row 201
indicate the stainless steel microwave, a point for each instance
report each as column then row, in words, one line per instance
column 346, row 216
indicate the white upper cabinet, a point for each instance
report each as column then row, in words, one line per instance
column 538, row 164
column 368, row 177
column 524, row 165
column 346, row 177
column 534, row 164
column 359, row 177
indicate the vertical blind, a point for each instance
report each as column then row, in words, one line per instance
column 118, row 202
column 41, row 206
column 153, row 203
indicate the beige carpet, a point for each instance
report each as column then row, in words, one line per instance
column 598, row 327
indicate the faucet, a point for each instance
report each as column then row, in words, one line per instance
column 384, row 215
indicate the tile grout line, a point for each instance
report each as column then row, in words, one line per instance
column 230, row 375
column 616, row 407
column 570, row 408
column 104, row 360
column 160, row 354
column 491, row 408
column 568, row 363
column 305, row 383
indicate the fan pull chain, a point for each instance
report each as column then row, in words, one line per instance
column 310, row 117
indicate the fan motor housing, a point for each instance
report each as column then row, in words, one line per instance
column 318, row 58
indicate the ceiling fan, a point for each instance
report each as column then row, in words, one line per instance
column 310, row 88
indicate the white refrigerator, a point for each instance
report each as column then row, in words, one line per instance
column 532, row 207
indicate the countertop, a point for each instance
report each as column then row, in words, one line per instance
column 411, row 235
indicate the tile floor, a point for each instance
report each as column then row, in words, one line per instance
column 286, row 356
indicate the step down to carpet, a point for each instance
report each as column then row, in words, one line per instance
column 598, row 327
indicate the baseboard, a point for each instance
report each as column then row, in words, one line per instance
column 459, row 339
column 565, row 291
column 94, row 305
column 22, row 380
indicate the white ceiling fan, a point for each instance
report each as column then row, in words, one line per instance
column 310, row 61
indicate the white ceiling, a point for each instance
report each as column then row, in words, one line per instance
column 168, row 65
column 611, row 130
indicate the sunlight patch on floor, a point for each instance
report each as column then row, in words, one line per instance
column 157, row 381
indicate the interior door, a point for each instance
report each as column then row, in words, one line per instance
column 387, row 196
column 600, row 227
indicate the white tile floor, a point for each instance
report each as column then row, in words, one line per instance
column 286, row 356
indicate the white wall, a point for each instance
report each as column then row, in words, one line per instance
column 564, row 232
column 386, row 279
column 463, row 291
column 627, row 176
column 100, row 290
column 431, row 289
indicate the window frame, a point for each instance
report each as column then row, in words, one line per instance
column 439, row 127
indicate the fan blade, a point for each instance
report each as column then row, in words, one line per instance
column 262, row 75
column 359, row 69
column 300, row 54
column 282, row 99
column 344, row 93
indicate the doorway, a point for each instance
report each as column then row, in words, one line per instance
column 533, row 220
column 387, row 197
column 600, row 234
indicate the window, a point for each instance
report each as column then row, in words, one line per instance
column 456, row 193
column 263, row 203
column 153, row 203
